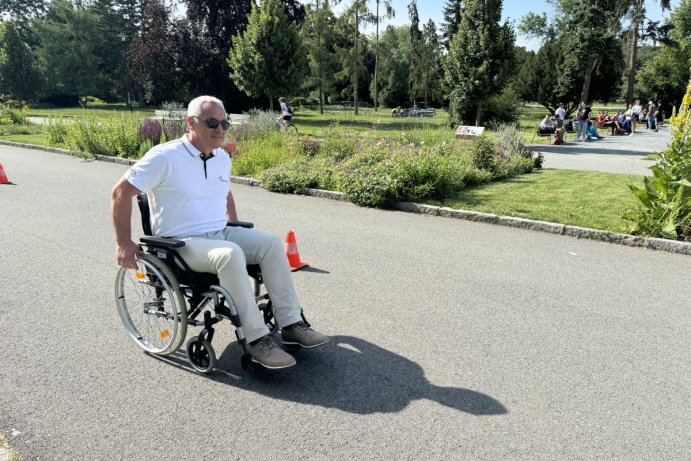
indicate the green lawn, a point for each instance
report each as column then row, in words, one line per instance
column 580, row 198
column 93, row 110
column 588, row 199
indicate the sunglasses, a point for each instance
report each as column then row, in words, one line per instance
column 212, row 123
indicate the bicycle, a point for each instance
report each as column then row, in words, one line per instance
column 286, row 126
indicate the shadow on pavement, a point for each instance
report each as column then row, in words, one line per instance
column 577, row 150
column 348, row 373
column 352, row 375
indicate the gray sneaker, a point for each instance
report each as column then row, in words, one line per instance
column 267, row 354
column 302, row 335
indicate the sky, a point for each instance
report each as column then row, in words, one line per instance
column 513, row 10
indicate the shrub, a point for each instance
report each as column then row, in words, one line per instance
column 117, row 136
column 259, row 123
column 292, row 177
column 310, row 146
column 150, row 130
column 665, row 199
column 173, row 129
column 261, row 153
column 57, row 131
column 482, row 154
column 13, row 113
column 384, row 172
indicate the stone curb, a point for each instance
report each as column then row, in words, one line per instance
column 670, row 246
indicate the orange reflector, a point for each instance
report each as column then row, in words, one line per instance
column 164, row 334
column 140, row 275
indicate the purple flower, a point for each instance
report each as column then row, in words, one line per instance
column 150, row 130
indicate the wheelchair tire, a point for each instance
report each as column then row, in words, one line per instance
column 160, row 330
column 201, row 355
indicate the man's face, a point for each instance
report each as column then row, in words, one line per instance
column 201, row 136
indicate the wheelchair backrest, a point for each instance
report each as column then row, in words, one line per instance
column 143, row 202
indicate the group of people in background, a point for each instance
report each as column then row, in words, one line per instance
column 585, row 124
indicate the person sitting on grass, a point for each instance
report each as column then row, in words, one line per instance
column 592, row 132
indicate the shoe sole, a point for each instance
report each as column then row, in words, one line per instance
column 295, row 343
column 271, row 367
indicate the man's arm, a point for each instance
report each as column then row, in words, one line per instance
column 126, row 251
column 231, row 211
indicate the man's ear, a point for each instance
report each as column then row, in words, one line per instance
column 190, row 123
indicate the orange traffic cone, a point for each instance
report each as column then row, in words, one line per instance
column 3, row 176
column 292, row 253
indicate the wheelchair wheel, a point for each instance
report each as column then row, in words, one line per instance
column 151, row 306
column 201, row 354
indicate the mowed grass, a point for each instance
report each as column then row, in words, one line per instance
column 99, row 111
column 580, row 198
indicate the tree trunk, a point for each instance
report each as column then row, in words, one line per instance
column 636, row 21
column 587, row 78
column 355, row 59
column 376, row 61
column 477, row 115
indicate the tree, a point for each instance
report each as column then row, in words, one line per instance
column 118, row 23
column 268, row 59
column 356, row 14
column 416, row 70
column 452, row 19
column 480, row 58
column 67, row 51
column 21, row 10
column 212, row 24
column 664, row 75
column 318, row 38
column 20, row 76
column 430, row 60
column 636, row 11
column 389, row 13
column 395, row 66
column 152, row 58
column 590, row 30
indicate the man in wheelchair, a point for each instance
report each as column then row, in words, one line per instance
column 187, row 182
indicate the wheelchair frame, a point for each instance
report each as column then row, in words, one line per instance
column 160, row 289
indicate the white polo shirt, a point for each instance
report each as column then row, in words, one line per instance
column 187, row 195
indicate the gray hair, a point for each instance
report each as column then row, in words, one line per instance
column 194, row 109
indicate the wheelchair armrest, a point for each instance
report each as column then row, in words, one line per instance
column 162, row 242
column 246, row 224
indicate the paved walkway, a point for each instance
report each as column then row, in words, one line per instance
column 612, row 154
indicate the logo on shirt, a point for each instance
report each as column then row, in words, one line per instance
column 133, row 171
column 222, row 179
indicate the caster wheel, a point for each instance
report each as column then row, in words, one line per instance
column 245, row 361
column 201, row 355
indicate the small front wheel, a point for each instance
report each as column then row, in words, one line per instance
column 292, row 129
column 201, row 354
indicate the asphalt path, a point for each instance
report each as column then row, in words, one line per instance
column 450, row 339
column 611, row 154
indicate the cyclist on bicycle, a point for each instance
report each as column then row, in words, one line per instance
column 286, row 113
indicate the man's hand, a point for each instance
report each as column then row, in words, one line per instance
column 127, row 254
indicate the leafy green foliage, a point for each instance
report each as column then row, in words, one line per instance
column 480, row 59
column 20, row 75
column 268, row 59
column 665, row 198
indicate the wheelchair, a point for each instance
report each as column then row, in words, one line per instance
column 163, row 296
